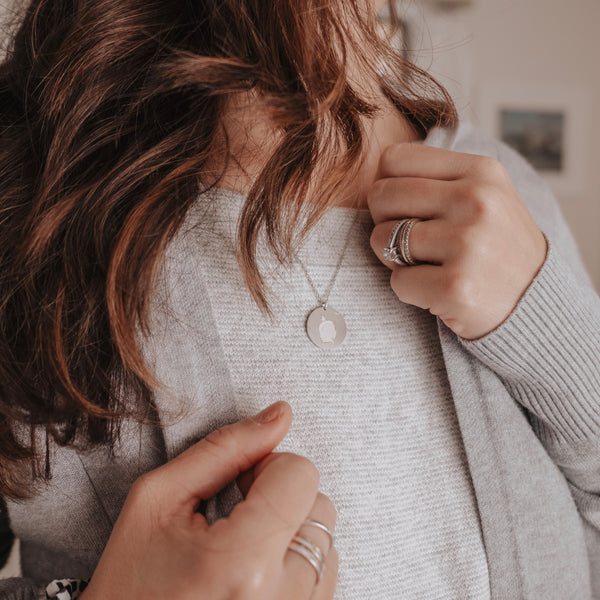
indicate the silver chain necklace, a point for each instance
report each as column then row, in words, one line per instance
column 325, row 326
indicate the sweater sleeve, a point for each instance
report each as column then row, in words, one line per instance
column 19, row 588
column 548, row 350
column 23, row 588
column 13, row 588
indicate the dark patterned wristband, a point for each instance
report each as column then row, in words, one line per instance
column 65, row 589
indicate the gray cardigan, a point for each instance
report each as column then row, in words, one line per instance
column 527, row 398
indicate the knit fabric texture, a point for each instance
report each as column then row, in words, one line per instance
column 525, row 399
column 375, row 415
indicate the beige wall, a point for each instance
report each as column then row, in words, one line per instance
column 537, row 44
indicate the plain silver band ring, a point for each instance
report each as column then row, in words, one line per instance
column 319, row 555
column 319, row 525
column 311, row 553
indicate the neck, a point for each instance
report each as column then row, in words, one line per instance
column 252, row 140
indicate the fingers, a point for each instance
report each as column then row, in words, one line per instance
column 323, row 513
column 283, row 492
column 202, row 470
column 325, row 589
column 426, row 182
column 396, row 197
column 297, row 568
column 425, row 286
column 428, row 241
column 419, row 160
column 276, row 510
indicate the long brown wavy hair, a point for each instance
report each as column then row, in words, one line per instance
column 109, row 115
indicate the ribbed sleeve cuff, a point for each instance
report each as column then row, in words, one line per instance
column 548, row 352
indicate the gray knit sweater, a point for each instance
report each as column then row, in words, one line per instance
column 526, row 401
column 375, row 415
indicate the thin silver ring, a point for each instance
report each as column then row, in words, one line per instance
column 403, row 247
column 319, row 525
column 311, row 553
column 319, row 555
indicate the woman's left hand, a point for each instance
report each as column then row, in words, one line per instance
column 481, row 245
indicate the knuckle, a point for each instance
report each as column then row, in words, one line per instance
column 485, row 178
column 377, row 191
column 476, row 197
column 144, row 488
column 221, row 439
column 145, row 499
column 394, row 154
column 486, row 167
column 494, row 169
column 390, row 154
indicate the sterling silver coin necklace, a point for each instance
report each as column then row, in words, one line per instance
column 325, row 326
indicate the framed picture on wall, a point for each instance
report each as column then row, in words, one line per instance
column 547, row 124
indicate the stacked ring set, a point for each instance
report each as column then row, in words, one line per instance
column 398, row 250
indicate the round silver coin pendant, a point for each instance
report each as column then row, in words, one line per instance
column 326, row 327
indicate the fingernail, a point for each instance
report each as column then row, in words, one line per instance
column 269, row 414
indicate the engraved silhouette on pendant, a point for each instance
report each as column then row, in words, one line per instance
column 326, row 327
column 327, row 331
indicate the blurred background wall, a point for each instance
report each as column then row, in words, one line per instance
column 528, row 54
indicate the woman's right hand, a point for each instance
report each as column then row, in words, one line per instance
column 160, row 547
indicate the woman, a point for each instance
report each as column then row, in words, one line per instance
column 190, row 193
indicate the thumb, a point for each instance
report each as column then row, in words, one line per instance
column 208, row 466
